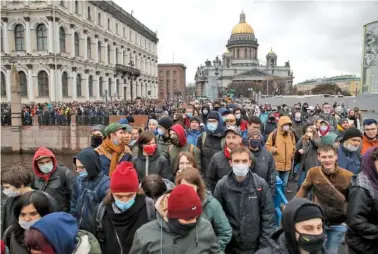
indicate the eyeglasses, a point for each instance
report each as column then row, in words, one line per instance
column 230, row 121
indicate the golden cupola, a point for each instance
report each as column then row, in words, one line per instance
column 243, row 27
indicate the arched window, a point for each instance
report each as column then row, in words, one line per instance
column 109, row 87
column 62, row 40
column 108, row 54
column 23, row 83
column 43, row 84
column 77, row 44
column 89, row 48
column 19, row 37
column 100, row 86
column 41, row 37
column 99, row 51
column 78, row 85
column 89, row 13
column 3, row 86
column 117, row 87
column 90, row 86
column 99, row 19
column 77, row 6
column 65, row 84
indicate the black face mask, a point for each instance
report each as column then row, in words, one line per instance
column 311, row 243
column 272, row 118
column 216, row 108
column 180, row 229
column 175, row 140
column 96, row 141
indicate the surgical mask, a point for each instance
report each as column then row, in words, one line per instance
column 224, row 118
column 46, row 168
column 123, row 206
column 285, row 127
column 27, row 224
column 310, row 243
column 189, row 115
column 254, row 143
column 323, row 127
column 116, row 142
column 240, row 169
column 238, row 116
column 83, row 174
column 160, row 132
column 212, row 126
column 297, row 117
column 350, row 148
column 11, row 193
column 205, row 111
column 326, row 111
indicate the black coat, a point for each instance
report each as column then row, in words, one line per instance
column 264, row 166
column 157, row 164
column 362, row 216
column 218, row 167
column 250, row 210
column 212, row 146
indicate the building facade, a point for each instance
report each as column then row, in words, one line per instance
column 76, row 51
column 172, row 80
column 349, row 83
column 240, row 65
column 370, row 59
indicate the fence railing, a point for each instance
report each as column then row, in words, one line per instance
column 92, row 120
column 280, row 200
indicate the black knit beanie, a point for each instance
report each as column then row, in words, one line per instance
column 308, row 212
column 165, row 122
column 351, row 132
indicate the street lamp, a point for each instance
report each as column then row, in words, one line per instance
column 217, row 64
column 131, row 64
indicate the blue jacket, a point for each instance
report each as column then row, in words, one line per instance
column 60, row 230
column 105, row 161
column 349, row 160
column 192, row 136
column 88, row 192
column 264, row 117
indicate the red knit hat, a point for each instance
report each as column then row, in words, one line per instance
column 184, row 203
column 124, row 178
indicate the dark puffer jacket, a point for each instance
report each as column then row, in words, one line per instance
column 157, row 164
column 249, row 208
column 88, row 192
column 218, row 167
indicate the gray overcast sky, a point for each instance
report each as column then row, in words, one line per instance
column 319, row 38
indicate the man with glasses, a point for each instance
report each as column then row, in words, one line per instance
column 370, row 135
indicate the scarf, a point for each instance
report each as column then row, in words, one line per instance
column 112, row 152
column 340, row 128
column 227, row 153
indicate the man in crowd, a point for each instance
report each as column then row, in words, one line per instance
column 205, row 111
column 298, row 122
column 163, row 140
column 263, row 164
column 329, row 183
column 54, row 179
column 97, row 135
column 341, row 127
column 219, row 165
column 194, row 131
column 248, row 205
column 188, row 115
column 349, row 157
column 370, row 138
column 327, row 115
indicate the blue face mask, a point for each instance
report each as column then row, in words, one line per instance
column 160, row 132
column 123, row 206
column 189, row 115
column 115, row 142
column 212, row 126
column 83, row 174
column 224, row 118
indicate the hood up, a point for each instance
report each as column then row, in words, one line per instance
column 43, row 151
column 90, row 160
column 180, row 131
column 223, row 111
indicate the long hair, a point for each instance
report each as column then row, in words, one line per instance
column 35, row 240
column 193, row 176
column 190, row 158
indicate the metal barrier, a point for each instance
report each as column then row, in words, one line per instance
column 279, row 199
column 92, row 120
column 45, row 120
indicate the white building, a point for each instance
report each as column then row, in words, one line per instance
column 76, row 51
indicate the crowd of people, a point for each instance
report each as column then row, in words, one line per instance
column 202, row 179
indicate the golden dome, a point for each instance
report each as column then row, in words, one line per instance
column 243, row 27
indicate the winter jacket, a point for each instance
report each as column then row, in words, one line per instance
column 310, row 157
column 106, row 158
column 162, row 144
column 323, row 194
column 218, row 167
column 298, row 128
column 368, row 143
column 250, row 210
column 283, row 240
column 268, row 128
column 285, row 144
column 58, row 183
column 213, row 212
column 264, row 167
column 264, row 117
column 7, row 213
column 348, row 160
column 174, row 151
column 192, row 136
column 88, row 192
column 157, row 164
column 156, row 237
column 362, row 216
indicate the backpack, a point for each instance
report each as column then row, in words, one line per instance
column 93, row 243
column 151, row 215
column 274, row 136
column 191, row 149
column 204, row 136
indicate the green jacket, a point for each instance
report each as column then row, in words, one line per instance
column 213, row 212
column 174, row 151
column 162, row 145
column 156, row 237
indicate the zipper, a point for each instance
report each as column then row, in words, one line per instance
column 119, row 242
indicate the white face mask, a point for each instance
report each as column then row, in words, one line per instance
column 205, row 111
column 11, row 193
column 46, row 168
column 27, row 224
column 238, row 116
column 285, row 127
column 350, row 148
column 240, row 169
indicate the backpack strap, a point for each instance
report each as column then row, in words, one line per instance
column 99, row 227
column 150, row 207
column 274, row 136
column 191, row 149
column 7, row 235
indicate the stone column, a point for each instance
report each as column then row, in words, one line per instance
column 72, row 41
column 8, row 83
column 98, row 97
column 30, row 83
column 52, row 83
column 50, row 35
column 96, row 58
column 106, row 53
column 28, row 36
column 16, row 110
column 85, row 82
column 74, row 95
column 5, row 34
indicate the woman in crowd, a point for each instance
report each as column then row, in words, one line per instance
column 185, row 160
column 149, row 160
column 212, row 210
column 362, row 214
column 307, row 148
column 30, row 208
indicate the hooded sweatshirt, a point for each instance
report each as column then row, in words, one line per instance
column 204, row 117
column 57, row 183
column 60, row 229
column 89, row 191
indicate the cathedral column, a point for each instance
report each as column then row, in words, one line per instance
column 28, row 36
column 52, row 83
column 5, row 36
column 30, row 83
column 74, row 94
column 50, row 36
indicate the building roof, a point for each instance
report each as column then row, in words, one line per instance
column 340, row 78
column 242, row 27
column 254, row 73
column 172, row 65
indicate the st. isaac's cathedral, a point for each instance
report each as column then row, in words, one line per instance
column 240, row 65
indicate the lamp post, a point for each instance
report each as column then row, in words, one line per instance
column 217, row 63
column 131, row 64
